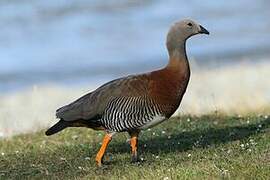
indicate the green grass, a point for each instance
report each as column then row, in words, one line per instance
column 207, row 147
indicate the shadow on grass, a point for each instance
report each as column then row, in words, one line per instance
column 179, row 142
column 200, row 138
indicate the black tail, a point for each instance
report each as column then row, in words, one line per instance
column 60, row 125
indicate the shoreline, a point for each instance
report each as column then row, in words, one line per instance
column 242, row 89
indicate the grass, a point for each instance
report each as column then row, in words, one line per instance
column 207, row 147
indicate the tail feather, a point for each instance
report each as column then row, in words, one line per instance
column 60, row 125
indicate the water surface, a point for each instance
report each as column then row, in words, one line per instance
column 84, row 42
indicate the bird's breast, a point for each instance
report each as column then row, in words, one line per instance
column 167, row 89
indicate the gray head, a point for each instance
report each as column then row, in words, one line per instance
column 181, row 31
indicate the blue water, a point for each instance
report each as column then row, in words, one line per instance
column 71, row 42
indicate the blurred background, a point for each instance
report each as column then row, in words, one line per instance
column 51, row 52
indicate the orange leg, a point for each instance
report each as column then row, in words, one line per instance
column 107, row 139
column 134, row 146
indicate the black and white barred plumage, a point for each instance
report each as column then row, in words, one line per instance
column 127, row 113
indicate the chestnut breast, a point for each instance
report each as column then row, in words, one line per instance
column 167, row 87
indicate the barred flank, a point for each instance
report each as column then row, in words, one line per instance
column 126, row 113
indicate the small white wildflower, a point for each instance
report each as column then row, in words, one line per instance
column 249, row 150
column 163, row 132
column 266, row 116
column 248, row 122
column 144, row 145
column 189, row 155
column 259, row 126
column 188, row 120
column 153, row 133
column 63, row 159
column 252, row 142
column 224, row 171
column 157, row 157
column 79, row 167
column 178, row 142
column 17, row 152
column 74, row 137
column 2, row 154
column 87, row 158
column 141, row 158
column 169, row 137
column 166, row 178
column 242, row 145
column 149, row 129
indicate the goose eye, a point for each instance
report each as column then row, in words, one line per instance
column 189, row 24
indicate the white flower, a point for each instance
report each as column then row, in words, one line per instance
column 225, row 171
column 144, row 145
column 189, row 155
column 74, row 137
column 166, row 178
column 2, row 154
column 242, row 145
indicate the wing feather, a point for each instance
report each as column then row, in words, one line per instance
column 93, row 104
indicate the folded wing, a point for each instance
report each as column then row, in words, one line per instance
column 93, row 104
